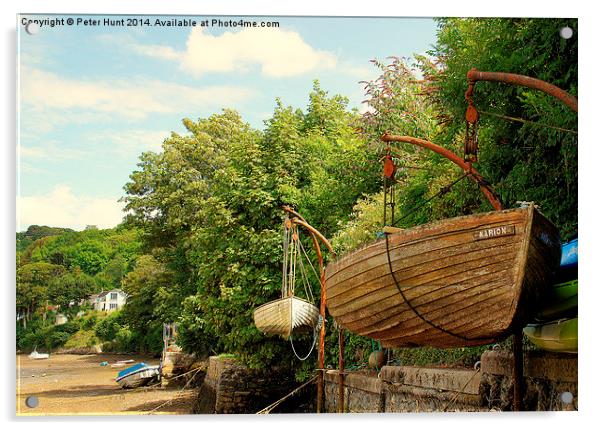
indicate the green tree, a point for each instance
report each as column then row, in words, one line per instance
column 32, row 287
column 152, row 300
column 69, row 289
column 210, row 206
column 524, row 161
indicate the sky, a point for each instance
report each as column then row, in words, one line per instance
column 92, row 96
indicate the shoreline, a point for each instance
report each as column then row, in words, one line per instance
column 74, row 384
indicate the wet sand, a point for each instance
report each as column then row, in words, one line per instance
column 68, row 384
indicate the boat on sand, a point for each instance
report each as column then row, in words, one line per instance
column 137, row 376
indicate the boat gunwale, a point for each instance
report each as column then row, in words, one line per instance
column 414, row 231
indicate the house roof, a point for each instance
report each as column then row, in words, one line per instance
column 105, row 293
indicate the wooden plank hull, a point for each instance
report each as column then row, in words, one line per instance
column 285, row 316
column 467, row 281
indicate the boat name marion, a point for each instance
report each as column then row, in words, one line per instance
column 487, row 233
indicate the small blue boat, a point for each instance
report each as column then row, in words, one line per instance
column 137, row 375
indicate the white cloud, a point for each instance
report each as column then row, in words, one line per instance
column 158, row 51
column 62, row 208
column 50, row 150
column 133, row 142
column 279, row 53
column 130, row 99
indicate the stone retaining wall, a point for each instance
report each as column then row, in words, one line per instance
column 232, row 388
column 422, row 389
column 406, row 389
column 546, row 376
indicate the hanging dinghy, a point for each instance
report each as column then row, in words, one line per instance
column 289, row 314
column 285, row 316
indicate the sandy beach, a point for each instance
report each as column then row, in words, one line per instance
column 77, row 384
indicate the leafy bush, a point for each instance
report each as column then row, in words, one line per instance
column 125, row 340
column 107, row 328
column 82, row 339
column 57, row 339
column 29, row 341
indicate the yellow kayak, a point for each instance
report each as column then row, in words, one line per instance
column 558, row 336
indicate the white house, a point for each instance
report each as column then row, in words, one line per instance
column 108, row 301
column 60, row 319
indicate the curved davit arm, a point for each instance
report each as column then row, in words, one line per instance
column 475, row 75
column 471, row 172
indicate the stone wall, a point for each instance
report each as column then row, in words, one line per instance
column 422, row 389
column 546, row 376
column 232, row 388
column 180, row 369
column 406, row 389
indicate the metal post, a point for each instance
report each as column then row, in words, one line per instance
column 320, row 406
column 315, row 235
column 517, row 370
column 341, row 370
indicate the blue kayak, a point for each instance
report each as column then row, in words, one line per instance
column 568, row 262
column 569, row 254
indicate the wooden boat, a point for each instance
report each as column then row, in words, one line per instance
column 558, row 336
column 283, row 316
column 137, row 376
column 458, row 282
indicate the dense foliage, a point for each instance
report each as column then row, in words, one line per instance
column 210, row 206
column 65, row 268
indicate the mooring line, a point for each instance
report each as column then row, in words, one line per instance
column 271, row 407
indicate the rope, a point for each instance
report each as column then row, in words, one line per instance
column 271, row 407
column 418, row 314
column 453, row 400
column 316, row 330
column 285, row 243
column 310, row 263
column 441, row 192
column 304, row 278
column 177, row 394
column 526, row 121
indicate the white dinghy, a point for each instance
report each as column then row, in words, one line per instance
column 289, row 314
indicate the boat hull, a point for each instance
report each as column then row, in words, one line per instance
column 139, row 377
column 557, row 336
column 285, row 316
column 465, row 281
column 560, row 301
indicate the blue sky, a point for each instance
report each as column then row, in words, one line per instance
column 92, row 98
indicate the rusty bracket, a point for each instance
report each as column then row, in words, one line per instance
column 474, row 75
column 389, row 167
column 471, row 172
column 471, row 143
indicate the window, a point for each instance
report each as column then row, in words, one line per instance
column 113, row 306
column 113, row 296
